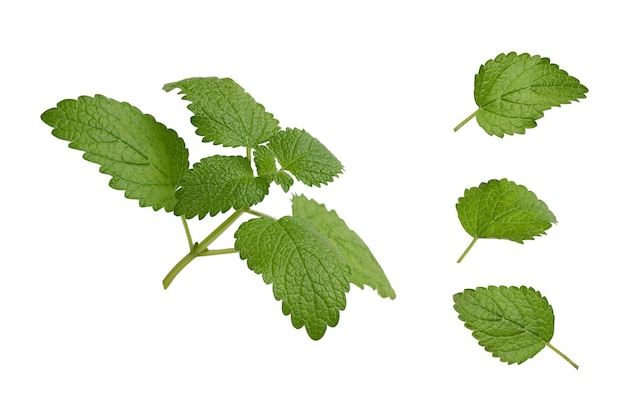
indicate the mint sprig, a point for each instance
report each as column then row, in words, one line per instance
column 310, row 257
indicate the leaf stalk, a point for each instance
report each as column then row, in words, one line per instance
column 187, row 233
column 464, row 122
column 467, row 250
column 561, row 354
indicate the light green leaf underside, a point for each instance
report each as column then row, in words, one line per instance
column 504, row 210
column 224, row 113
column 305, row 157
column 217, row 184
column 143, row 157
column 513, row 91
column 512, row 323
column 365, row 269
column 305, row 268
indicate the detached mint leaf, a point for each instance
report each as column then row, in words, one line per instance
column 512, row 323
column 512, row 91
column 365, row 269
column 224, row 113
column 306, row 270
column 305, row 157
column 145, row 158
column 502, row 209
column 217, row 184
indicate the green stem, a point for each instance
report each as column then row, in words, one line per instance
column 467, row 250
column 561, row 354
column 186, row 226
column 470, row 117
column 200, row 248
column 258, row 213
column 210, row 252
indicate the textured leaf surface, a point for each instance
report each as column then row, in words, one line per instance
column 142, row 156
column 513, row 91
column 224, row 113
column 512, row 323
column 306, row 270
column 502, row 209
column 365, row 269
column 305, row 157
column 217, row 184
column 265, row 162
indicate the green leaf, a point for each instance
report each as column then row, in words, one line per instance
column 512, row 323
column 365, row 269
column 143, row 157
column 305, row 157
column 224, row 113
column 502, row 209
column 306, row 270
column 284, row 180
column 512, row 91
column 265, row 162
column 217, row 184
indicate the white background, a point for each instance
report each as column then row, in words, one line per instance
column 85, row 326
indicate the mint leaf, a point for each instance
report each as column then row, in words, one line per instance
column 365, row 269
column 265, row 162
column 306, row 270
column 284, row 180
column 143, row 157
column 502, row 209
column 512, row 323
column 224, row 113
column 305, row 157
column 512, row 91
column 217, row 184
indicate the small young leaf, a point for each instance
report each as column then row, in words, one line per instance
column 265, row 162
column 502, row 209
column 283, row 179
column 512, row 91
column 512, row 323
column 145, row 158
column 365, row 269
column 305, row 157
column 217, row 184
column 224, row 113
column 306, row 270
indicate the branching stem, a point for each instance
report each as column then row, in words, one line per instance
column 470, row 117
column 200, row 249
column 467, row 250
